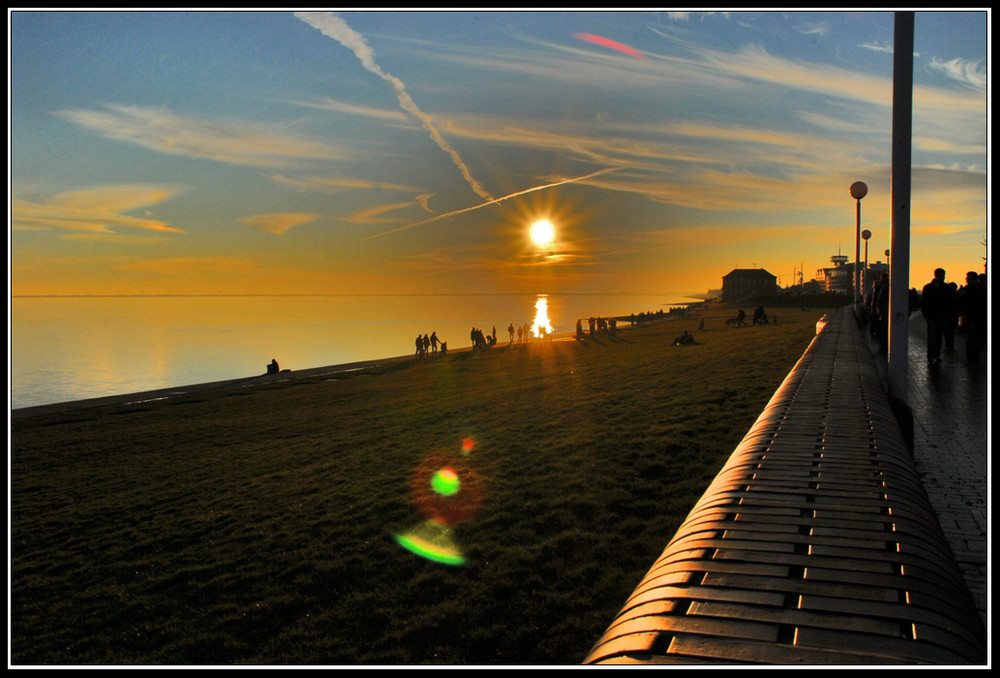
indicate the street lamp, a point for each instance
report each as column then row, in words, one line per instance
column 865, row 234
column 859, row 189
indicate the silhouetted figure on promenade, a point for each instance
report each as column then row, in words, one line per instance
column 936, row 302
column 972, row 304
column 880, row 312
column 951, row 325
column 434, row 342
column 272, row 367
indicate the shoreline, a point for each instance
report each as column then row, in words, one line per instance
column 242, row 382
column 159, row 392
column 166, row 392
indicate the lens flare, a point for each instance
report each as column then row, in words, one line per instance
column 541, row 325
column 611, row 44
column 445, row 482
column 447, row 492
column 432, row 540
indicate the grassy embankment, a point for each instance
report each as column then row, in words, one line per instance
column 257, row 525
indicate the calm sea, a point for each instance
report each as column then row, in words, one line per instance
column 72, row 348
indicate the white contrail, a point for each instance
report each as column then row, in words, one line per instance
column 492, row 201
column 333, row 26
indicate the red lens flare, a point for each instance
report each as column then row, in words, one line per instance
column 611, row 44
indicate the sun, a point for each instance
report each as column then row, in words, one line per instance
column 542, row 233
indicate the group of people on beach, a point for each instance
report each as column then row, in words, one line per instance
column 645, row 316
column 481, row 339
column 597, row 325
column 523, row 333
column 427, row 344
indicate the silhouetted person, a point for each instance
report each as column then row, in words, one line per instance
column 434, row 342
column 510, row 331
column 972, row 304
column 951, row 325
column 579, row 329
column 686, row 339
column 420, row 345
column 936, row 302
column 880, row 312
column 272, row 367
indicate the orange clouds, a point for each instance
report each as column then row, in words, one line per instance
column 278, row 222
column 95, row 210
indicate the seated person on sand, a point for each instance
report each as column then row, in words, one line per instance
column 686, row 339
column 272, row 367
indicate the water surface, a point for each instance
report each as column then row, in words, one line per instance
column 71, row 348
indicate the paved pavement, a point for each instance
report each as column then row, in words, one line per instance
column 950, row 411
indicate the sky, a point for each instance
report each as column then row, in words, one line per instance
column 392, row 152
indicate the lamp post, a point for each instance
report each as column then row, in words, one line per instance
column 865, row 234
column 859, row 189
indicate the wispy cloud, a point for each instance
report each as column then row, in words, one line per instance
column 885, row 48
column 278, row 222
column 95, row 210
column 321, row 183
column 968, row 72
column 227, row 141
column 328, row 104
column 334, row 27
column 373, row 215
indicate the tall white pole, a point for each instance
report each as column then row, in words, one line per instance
column 902, row 124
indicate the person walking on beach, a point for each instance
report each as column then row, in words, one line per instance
column 936, row 301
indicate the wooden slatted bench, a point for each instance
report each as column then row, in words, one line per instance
column 815, row 544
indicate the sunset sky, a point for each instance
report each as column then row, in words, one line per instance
column 394, row 152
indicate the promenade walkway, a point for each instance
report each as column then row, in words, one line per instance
column 949, row 401
column 817, row 542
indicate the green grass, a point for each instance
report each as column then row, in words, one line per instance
column 258, row 525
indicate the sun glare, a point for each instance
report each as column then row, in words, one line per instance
column 542, row 233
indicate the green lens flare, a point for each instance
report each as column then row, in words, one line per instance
column 433, row 541
column 445, row 482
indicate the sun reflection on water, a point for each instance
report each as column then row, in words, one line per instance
column 541, row 326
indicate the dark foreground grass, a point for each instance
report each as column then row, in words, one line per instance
column 258, row 525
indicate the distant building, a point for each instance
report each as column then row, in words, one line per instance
column 839, row 278
column 748, row 283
